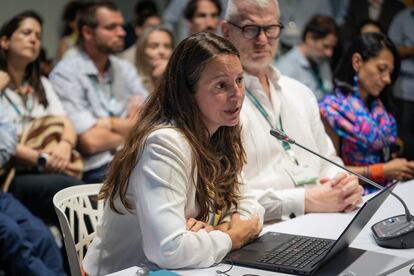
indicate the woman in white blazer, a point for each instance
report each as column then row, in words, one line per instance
column 174, row 193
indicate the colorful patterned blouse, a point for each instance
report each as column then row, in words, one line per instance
column 365, row 133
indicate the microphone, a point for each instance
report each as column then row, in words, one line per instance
column 393, row 232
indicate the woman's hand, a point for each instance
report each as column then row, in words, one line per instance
column 59, row 157
column 225, row 226
column 240, row 231
column 243, row 231
column 399, row 169
column 159, row 66
column 194, row 225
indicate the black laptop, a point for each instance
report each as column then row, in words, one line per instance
column 302, row 255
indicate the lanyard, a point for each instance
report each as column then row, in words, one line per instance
column 259, row 106
column 16, row 108
column 99, row 93
column 316, row 73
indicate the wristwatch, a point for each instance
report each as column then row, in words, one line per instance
column 42, row 161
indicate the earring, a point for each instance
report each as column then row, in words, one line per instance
column 355, row 82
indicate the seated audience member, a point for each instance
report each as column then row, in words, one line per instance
column 154, row 49
column 41, row 167
column 364, row 131
column 174, row 20
column 367, row 26
column 8, row 139
column 309, row 61
column 99, row 91
column 174, row 195
column 67, row 43
column 285, row 178
column 26, row 245
column 294, row 16
column 360, row 10
column 401, row 32
column 202, row 15
column 145, row 15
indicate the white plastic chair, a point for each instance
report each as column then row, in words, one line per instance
column 79, row 211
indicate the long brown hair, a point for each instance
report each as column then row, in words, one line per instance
column 217, row 160
column 141, row 63
column 32, row 72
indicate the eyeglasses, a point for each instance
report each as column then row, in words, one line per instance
column 253, row 31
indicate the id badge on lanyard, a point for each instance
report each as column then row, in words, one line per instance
column 301, row 174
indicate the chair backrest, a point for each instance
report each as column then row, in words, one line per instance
column 79, row 211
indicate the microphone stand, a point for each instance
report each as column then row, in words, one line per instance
column 410, row 219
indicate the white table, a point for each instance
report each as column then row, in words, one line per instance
column 330, row 225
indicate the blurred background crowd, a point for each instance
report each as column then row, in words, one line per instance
column 63, row 75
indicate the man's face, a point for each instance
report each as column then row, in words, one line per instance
column 109, row 35
column 256, row 53
column 206, row 17
column 321, row 49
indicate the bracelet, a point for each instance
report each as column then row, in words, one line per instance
column 377, row 172
column 367, row 171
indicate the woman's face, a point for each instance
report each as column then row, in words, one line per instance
column 159, row 47
column 25, row 42
column 375, row 73
column 219, row 93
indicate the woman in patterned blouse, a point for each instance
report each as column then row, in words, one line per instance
column 360, row 125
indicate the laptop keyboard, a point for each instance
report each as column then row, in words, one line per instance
column 298, row 252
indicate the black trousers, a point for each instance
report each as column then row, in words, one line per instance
column 36, row 192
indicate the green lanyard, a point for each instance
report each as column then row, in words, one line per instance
column 316, row 73
column 99, row 93
column 259, row 106
column 16, row 108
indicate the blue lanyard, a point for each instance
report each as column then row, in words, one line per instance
column 16, row 108
column 99, row 93
column 259, row 106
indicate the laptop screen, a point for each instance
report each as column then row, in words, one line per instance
column 363, row 216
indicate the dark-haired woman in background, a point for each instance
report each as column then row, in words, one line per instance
column 29, row 96
column 174, row 195
column 363, row 130
column 370, row 26
column 145, row 16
